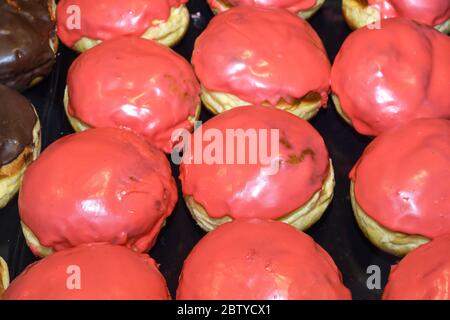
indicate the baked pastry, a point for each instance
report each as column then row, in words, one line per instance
column 422, row 274
column 303, row 8
column 83, row 24
column 385, row 77
column 252, row 259
column 273, row 166
column 133, row 83
column 434, row 13
column 91, row 272
column 28, row 42
column 4, row 276
column 262, row 56
column 101, row 185
column 399, row 187
column 20, row 141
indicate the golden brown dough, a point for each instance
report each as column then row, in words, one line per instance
column 302, row 218
column 392, row 242
column 4, row 276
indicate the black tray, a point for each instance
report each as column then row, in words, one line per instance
column 337, row 231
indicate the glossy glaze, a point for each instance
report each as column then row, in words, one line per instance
column 259, row 260
column 93, row 271
column 429, row 12
column 392, row 75
column 402, row 178
column 291, row 5
column 17, row 122
column 424, row 274
column 246, row 190
column 107, row 19
column 101, row 185
column 134, row 83
column 26, row 30
column 261, row 55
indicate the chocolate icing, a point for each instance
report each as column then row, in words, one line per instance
column 16, row 124
column 26, row 28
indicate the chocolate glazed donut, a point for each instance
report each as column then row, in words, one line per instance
column 16, row 125
column 27, row 42
column 20, row 141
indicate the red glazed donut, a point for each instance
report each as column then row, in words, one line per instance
column 385, row 77
column 422, row 274
column 101, row 185
column 400, row 186
column 434, row 13
column 254, row 259
column 133, row 83
column 294, row 184
column 82, row 24
column 303, row 8
column 91, row 272
column 262, row 56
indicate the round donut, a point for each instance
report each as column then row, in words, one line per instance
column 303, row 8
column 91, row 272
column 133, row 83
column 253, row 259
column 434, row 13
column 4, row 276
column 101, row 185
column 83, row 24
column 20, row 141
column 28, row 42
column 399, row 187
column 262, row 56
column 422, row 274
column 291, row 181
column 384, row 77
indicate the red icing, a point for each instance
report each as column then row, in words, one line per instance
column 392, row 75
column 101, row 185
column 137, row 84
column 244, row 190
column 262, row 260
column 402, row 179
column 423, row 274
column 107, row 19
column 261, row 54
column 430, row 12
column 106, row 272
column 291, row 5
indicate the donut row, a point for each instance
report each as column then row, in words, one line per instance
column 28, row 41
column 258, row 259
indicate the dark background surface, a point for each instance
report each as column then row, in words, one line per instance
column 337, row 231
